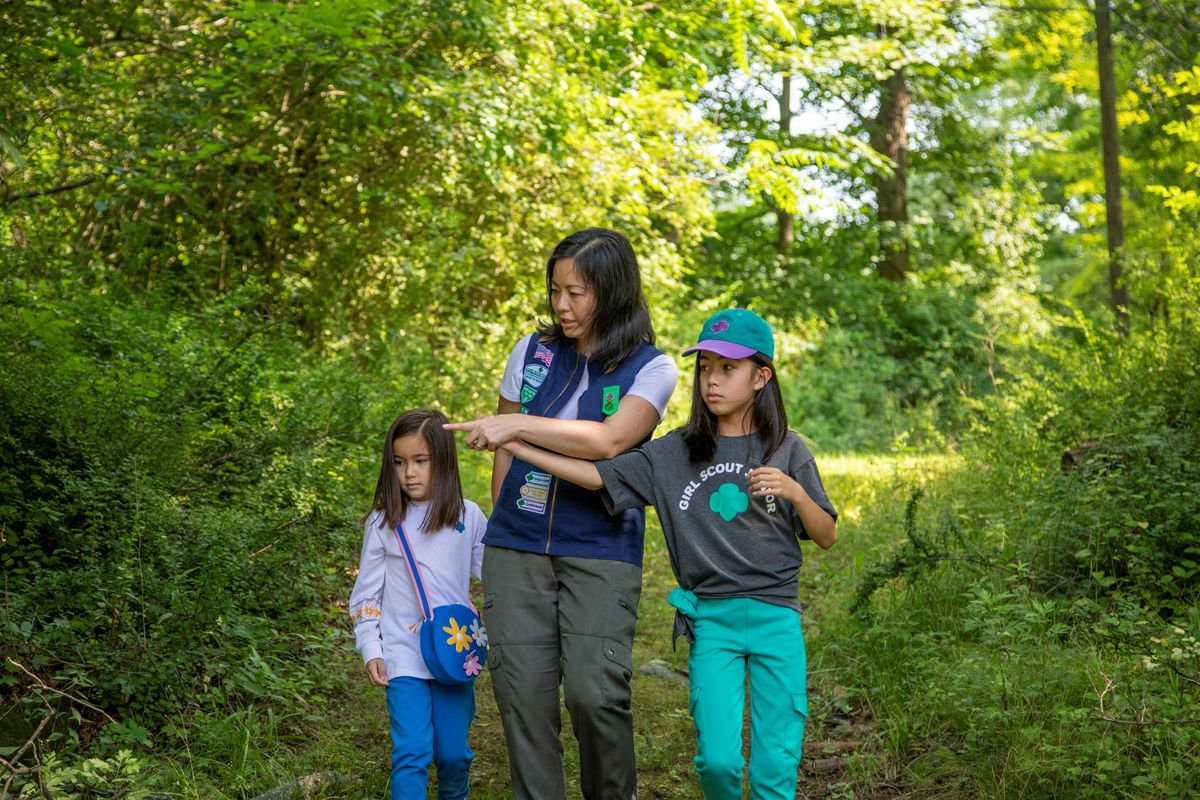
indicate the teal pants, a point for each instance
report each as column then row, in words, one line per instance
column 732, row 636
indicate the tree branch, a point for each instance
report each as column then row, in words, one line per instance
column 42, row 684
column 11, row 766
column 13, row 197
column 1148, row 722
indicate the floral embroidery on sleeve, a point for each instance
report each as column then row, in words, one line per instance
column 368, row 608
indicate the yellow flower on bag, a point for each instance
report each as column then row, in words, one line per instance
column 460, row 637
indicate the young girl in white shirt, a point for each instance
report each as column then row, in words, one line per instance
column 418, row 489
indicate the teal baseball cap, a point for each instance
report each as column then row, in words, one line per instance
column 735, row 333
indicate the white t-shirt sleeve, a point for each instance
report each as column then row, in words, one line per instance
column 655, row 382
column 510, row 384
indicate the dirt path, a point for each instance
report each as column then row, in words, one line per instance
column 829, row 745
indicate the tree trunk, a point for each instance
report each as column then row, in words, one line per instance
column 889, row 137
column 1114, row 210
column 787, row 224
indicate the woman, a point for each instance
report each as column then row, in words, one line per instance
column 562, row 577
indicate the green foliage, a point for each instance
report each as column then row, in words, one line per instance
column 918, row 552
column 93, row 778
column 1124, row 520
column 1052, row 623
column 1050, row 79
column 162, row 523
column 237, row 239
column 866, row 363
column 345, row 160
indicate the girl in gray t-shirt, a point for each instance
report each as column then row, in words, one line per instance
column 735, row 490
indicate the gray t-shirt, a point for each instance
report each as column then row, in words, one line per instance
column 723, row 541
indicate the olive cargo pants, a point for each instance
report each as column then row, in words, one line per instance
column 553, row 619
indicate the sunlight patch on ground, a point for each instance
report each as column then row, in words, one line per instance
column 856, row 481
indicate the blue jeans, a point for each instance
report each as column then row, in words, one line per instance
column 429, row 722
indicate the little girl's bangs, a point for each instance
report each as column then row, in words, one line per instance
column 445, row 487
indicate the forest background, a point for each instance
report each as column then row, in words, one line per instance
column 237, row 238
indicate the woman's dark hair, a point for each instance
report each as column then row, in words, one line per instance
column 620, row 320
column 768, row 417
column 445, row 487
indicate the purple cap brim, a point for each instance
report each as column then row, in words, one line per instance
column 721, row 348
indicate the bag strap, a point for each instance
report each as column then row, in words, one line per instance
column 414, row 571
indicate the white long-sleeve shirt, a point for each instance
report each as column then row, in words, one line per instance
column 384, row 606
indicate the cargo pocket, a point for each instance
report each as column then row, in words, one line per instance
column 618, row 670
column 485, row 614
column 499, row 677
column 622, row 621
column 628, row 604
column 797, row 716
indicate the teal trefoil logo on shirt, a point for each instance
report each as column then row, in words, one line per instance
column 728, row 501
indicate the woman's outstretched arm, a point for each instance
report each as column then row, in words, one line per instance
column 503, row 459
column 633, row 421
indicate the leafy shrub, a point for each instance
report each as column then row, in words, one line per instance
column 1124, row 520
column 90, row 778
column 166, row 534
column 1049, row 630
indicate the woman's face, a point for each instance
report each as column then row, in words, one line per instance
column 573, row 301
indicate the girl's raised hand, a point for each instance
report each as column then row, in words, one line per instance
column 769, row 481
column 376, row 672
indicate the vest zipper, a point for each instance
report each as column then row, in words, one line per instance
column 554, row 481
column 550, row 519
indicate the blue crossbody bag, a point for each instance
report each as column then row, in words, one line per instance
column 453, row 639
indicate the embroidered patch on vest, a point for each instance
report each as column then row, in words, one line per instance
column 612, row 398
column 534, row 493
column 535, row 375
column 543, row 354
column 527, row 393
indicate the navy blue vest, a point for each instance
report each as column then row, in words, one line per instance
column 538, row 513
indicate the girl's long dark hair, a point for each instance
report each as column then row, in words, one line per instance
column 445, row 488
column 621, row 318
column 768, row 417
